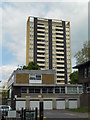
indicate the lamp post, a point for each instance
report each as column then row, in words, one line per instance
column 15, row 102
column 41, row 106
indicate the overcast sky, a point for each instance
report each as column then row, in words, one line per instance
column 13, row 33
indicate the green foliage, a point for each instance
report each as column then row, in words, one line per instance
column 82, row 55
column 74, row 77
column 31, row 66
column 4, row 93
column 82, row 110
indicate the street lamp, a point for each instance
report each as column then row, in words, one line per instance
column 41, row 106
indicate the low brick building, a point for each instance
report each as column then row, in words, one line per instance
column 39, row 85
column 84, row 75
column 84, row 79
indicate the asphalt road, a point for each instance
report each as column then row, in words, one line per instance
column 0, row 115
column 64, row 114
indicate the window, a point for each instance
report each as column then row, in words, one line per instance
column 23, row 90
column 85, row 73
column 37, row 90
column 31, row 90
column 38, row 77
column 57, row 90
column 62, row 89
column 44, row 90
column 88, row 71
column 32, row 77
column 71, row 89
column 35, row 77
column 80, row 89
column 88, row 89
column 50, row 90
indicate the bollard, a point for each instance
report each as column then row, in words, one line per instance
column 44, row 118
column 38, row 117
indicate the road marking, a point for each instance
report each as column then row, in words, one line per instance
column 69, row 114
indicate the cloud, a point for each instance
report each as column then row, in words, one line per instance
column 0, row 26
column 5, row 71
column 46, row 0
column 77, row 14
column 14, row 27
column 15, row 16
column 14, row 33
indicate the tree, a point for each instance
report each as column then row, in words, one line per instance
column 4, row 93
column 74, row 77
column 31, row 66
column 82, row 55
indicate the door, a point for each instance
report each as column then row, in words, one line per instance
column 60, row 104
column 72, row 104
column 34, row 104
column 20, row 104
column 47, row 105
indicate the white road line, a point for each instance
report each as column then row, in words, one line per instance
column 69, row 114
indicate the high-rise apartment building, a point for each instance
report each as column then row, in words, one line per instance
column 48, row 45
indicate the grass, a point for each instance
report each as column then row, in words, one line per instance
column 82, row 110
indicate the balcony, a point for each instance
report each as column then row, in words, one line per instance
column 59, row 65
column 38, row 59
column 39, row 46
column 40, row 55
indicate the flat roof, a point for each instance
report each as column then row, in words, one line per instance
column 82, row 64
column 43, row 18
column 45, row 85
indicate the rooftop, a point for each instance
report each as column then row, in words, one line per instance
column 83, row 64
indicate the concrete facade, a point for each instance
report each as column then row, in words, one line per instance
column 20, row 89
column 48, row 44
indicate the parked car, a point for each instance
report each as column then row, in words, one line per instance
column 4, row 109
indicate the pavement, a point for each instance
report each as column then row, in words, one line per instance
column 64, row 114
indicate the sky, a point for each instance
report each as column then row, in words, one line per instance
column 13, row 27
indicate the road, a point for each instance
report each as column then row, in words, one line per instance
column 64, row 114
column 0, row 115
